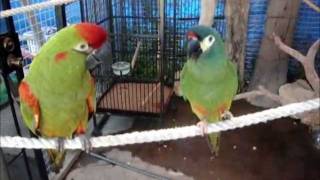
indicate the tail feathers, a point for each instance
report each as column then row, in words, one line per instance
column 213, row 141
column 56, row 159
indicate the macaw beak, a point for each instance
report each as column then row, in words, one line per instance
column 194, row 49
column 101, row 56
column 92, row 61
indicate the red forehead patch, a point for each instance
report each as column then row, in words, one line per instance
column 192, row 35
column 92, row 33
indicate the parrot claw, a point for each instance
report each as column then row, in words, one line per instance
column 86, row 144
column 60, row 146
column 226, row 115
column 203, row 125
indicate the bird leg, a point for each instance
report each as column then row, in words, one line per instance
column 60, row 141
column 86, row 144
column 203, row 125
column 226, row 115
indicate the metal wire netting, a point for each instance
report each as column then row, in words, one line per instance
column 307, row 31
column 135, row 21
column 255, row 31
column 36, row 27
column 130, row 21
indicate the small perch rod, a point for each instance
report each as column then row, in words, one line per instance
column 135, row 55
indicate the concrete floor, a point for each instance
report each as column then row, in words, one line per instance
column 281, row 149
column 17, row 169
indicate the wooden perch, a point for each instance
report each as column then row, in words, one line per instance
column 307, row 61
column 135, row 55
column 262, row 91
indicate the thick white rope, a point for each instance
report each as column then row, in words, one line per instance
column 31, row 7
column 164, row 134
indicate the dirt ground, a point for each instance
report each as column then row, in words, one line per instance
column 281, row 149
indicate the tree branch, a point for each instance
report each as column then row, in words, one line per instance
column 313, row 51
column 312, row 5
column 306, row 61
column 269, row 94
column 262, row 91
column 247, row 95
column 292, row 52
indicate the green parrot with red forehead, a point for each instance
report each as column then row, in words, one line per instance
column 58, row 93
column 208, row 79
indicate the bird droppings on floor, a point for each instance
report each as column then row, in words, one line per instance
column 234, row 147
column 254, row 148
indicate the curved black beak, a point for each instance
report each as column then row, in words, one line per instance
column 92, row 62
column 194, row 49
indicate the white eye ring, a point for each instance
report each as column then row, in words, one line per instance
column 207, row 42
column 83, row 47
column 211, row 39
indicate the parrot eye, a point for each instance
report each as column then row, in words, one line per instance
column 83, row 47
column 207, row 42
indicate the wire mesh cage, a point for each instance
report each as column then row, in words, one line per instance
column 307, row 31
column 37, row 26
column 159, row 27
column 152, row 31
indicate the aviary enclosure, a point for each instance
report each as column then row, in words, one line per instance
column 159, row 28
column 274, row 45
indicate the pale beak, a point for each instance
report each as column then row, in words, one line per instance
column 90, row 50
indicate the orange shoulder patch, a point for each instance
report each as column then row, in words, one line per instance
column 222, row 108
column 199, row 110
column 28, row 97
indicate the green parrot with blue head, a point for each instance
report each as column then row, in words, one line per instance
column 208, row 79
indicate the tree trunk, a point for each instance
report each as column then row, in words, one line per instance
column 237, row 20
column 208, row 8
column 272, row 65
